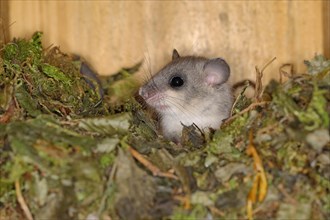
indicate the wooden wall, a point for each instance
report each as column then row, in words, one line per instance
column 4, row 23
column 113, row 34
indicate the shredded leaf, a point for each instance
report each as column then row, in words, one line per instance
column 75, row 145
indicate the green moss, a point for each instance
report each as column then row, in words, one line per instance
column 68, row 138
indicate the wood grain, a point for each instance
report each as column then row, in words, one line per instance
column 326, row 28
column 113, row 34
column 4, row 34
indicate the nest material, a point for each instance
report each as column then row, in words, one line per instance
column 70, row 152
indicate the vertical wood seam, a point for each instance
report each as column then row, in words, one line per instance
column 4, row 19
column 326, row 28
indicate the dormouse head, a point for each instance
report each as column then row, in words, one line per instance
column 185, row 81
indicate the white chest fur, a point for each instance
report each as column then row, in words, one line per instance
column 171, row 123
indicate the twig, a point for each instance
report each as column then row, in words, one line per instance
column 155, row 170
column 259, row 74
column 246, row 85
column 4, row 118
column 267, row 64
column 249, row 108
column 260, row 181
column 284, row 73
column 216, row 211
column 185, row 200
column 249, row 208
column 22, row 202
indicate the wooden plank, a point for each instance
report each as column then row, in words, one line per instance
column 326, row 24
column 113, row 34
column 4, row 33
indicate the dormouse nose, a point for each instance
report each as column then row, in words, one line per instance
column 146, row 93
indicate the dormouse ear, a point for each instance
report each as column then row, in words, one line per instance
column 216, row 72
column 175, row 54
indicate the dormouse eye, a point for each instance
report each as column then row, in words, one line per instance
column 176, row 81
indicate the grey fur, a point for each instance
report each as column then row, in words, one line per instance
column 195, row 101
